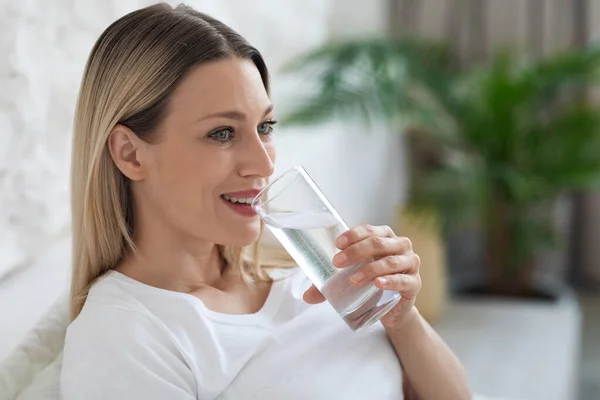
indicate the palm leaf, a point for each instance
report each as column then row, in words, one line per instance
column 515, row 129
column 377, row 78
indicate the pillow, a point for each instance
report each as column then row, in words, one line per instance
column 34, row 366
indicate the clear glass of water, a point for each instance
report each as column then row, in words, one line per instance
column 307, row 225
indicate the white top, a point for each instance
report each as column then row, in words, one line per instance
column 134, row 341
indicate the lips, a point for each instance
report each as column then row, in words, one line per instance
column 252, row 193
column 240, row 201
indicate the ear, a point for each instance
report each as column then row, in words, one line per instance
column 124, row 147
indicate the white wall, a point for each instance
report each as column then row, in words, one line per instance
column 43, row 48
column 351, row 18
column 359, row 169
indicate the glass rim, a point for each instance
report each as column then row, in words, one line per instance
column 298, row 169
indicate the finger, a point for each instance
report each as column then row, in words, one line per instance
column 408, row 285
column 361, row 232
column 313, row 296
column 389, row 265
column 370, row 248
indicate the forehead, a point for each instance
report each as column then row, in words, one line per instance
column 226, row 85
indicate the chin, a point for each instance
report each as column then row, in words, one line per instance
column 244, row 236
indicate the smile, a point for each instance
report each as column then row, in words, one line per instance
column 240, row 200
column 240, row 205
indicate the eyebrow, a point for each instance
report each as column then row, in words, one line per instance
column 236, row 115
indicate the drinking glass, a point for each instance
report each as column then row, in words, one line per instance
column 307, row 225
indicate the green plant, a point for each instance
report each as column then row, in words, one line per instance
column 496, row 144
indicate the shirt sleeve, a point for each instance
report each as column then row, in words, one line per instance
column 119, row 354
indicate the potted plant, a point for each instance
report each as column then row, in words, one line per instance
column 495, row 146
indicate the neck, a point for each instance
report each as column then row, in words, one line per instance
column 171, row 260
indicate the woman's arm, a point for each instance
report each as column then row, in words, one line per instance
column 431, row 371
column 430, row 368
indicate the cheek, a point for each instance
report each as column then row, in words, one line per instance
column 271, row 151
column 180, row 176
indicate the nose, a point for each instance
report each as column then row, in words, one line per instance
column 257, row 157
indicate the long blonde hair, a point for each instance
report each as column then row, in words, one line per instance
column 133, row 68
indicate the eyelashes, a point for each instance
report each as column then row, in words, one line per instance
column 223, row 135
column 227, row 134
column 266, row 128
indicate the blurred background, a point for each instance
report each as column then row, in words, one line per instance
column 473, row 127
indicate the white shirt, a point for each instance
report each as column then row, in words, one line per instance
column 134, row 341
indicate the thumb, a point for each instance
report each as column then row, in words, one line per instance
column 313, row 296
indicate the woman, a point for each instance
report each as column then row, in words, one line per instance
column 173, row 120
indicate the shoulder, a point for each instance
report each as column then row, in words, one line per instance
column 115, row 324
column 114, row 318
column 116, row 340
column 111, row 310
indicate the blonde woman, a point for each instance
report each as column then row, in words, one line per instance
column 174, row 119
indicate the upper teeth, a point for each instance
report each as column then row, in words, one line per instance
column 246, row 200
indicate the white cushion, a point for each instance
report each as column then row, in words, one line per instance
column 32, row 370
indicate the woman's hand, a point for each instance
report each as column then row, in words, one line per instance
column 396, row 267
column 430, row 370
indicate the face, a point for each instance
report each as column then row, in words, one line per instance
column 214, row 154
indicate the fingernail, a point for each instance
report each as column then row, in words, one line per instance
column 357, row 277
column 339, row 259
column 341, row 242
column 382, row 281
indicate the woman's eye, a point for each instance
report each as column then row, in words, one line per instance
column 266, row 128
column 223, row 135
